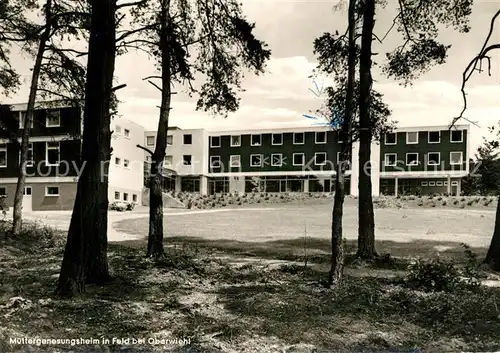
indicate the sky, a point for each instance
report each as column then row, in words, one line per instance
column 279, row 97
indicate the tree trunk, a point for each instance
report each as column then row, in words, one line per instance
column 155, row 236
column 85, row 258
column 21, row 179
column 366, row 219
column 337, row 260
column 493, row 255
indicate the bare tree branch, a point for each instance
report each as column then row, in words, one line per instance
column 145, row 149
column 472, row 66
column 128, row 4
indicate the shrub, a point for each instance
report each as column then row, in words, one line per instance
column 3, row 206
column 455, row 202
column 444, row 203
column 130, row 206
column 438, row 275
column 117, row 206
column 470, row 203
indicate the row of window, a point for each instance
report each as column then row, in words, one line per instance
column 276, row 139
column 53, row 119
column 52, row 154
column 438, row 183
column 277, row 160
column 456, row 136
column 118, row 196
column 49, row 191
column 412, row 158
column 118, row 131
column 186, row 140
column 118, row 162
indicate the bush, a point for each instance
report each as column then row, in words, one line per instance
column 438, row 275
column 3, row 206
column 117, row 206
column 455, row 202
column 130, row 206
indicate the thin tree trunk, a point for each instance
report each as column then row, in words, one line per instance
column 337, row 260
column 155, row 237
column 366, row 219
column 85, row 258
column 493, row 255
column 21, row 179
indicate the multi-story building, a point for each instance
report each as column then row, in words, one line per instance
column 53, row 164
column 410, row 160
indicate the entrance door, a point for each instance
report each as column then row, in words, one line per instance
column 27, row 199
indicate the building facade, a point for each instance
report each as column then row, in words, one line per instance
column 54, row 162
column 421, row 160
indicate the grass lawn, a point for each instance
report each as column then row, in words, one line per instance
column 236, row 281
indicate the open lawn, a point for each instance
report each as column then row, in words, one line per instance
column 236, row 280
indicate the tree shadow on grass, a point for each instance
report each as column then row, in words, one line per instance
column 317, row 250
column 365, row 314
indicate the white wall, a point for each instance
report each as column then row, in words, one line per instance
column 126, row 179
column 375, row 169
column 198, row 150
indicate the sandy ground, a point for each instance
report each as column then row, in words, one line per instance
column 274, row 222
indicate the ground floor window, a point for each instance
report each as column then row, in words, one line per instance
column 190, row 184
column 218, row 185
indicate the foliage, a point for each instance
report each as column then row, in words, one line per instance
column 439, row 274
column 121, row 206
column 3, row 206
column 216, row 30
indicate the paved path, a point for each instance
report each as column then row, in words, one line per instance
column 61, row 219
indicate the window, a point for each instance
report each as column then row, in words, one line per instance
column 423, row 183
column 51, row 191
column 298, row 159
column 454, row 183
column 455, row 158
column 52, row 153
column 456, row 136
column 53, row 118
column 390, row 159
column 168, row 160
column 126, row 163
column 256, row 160
column 390, row 138
column 412, row 159
column 117, row 195
column 320, row 137
column 149, row 159
column 320, row 158
column 118, row 130
column 298, row 138
column 433, row 158
column 214, row 161
column 276, row 159
column 118, row 161
column 235, row 141
column 439, row 183
column 3, row 192
column 126, row 132
column 22, row 117
column 411, row 138
column 277, row 139
column 27, row 190
column 214, row 141
column 255, row 140
column 445, row 183
column 434, row 136
column 186, row 159
column 134, row 197
column 170, row 139
column 235, row 161
column 432, row 183
column 3, row 155
column 150, row 140
column 125, row 196
column 188, row 139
